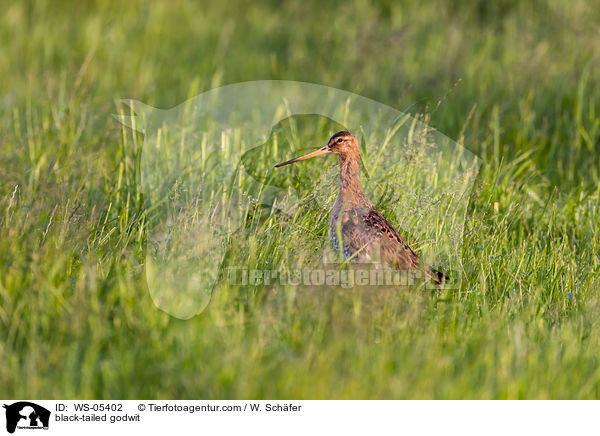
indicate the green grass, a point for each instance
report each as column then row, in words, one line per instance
column 517, row 84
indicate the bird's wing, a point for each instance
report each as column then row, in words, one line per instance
column 368, row 236
column 394, row 250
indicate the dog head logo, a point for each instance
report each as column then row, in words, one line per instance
column 26, row 415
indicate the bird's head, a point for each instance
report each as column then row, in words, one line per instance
column 343, row 143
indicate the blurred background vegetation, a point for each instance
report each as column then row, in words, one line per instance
column 515, row 82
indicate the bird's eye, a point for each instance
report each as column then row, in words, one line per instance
column 340, row 140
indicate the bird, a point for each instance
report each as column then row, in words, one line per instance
column 356, row 228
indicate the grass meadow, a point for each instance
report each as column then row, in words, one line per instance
column 516, row 83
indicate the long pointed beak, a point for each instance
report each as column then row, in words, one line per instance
column 318, row 152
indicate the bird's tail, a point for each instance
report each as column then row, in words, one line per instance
column 437, row 277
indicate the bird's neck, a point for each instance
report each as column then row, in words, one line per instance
column 351, row 193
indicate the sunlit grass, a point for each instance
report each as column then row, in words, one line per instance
column 76, row 317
